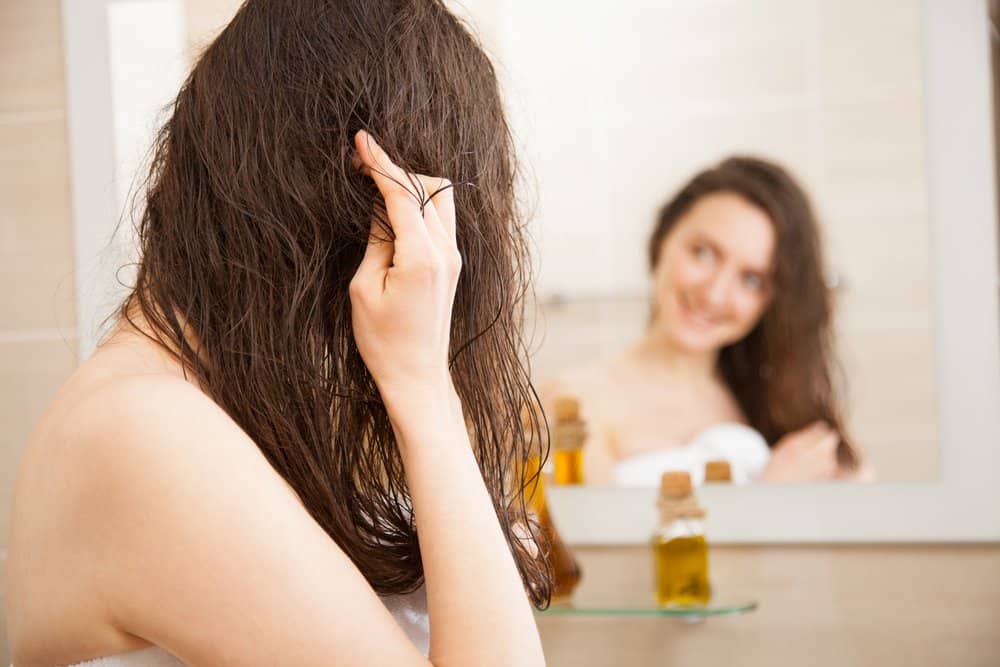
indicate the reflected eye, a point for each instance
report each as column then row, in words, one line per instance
column 702, row 252
column 753, row 281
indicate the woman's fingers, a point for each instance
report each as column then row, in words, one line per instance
column 406, row 194
column 402, row 209
column 378, row 253
column 441, row 193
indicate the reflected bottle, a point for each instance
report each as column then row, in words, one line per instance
column 568, row 436
column 565, row 571
column 680, row 552
column 718, row 472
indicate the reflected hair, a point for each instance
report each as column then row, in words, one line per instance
column 783, row 373
column 254, row 222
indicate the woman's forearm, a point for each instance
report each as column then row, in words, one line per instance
column 479, row 613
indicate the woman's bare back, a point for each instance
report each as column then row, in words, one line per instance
column 55, row 615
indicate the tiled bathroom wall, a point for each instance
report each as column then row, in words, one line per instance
column 37, row 300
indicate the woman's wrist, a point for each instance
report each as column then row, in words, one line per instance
column 417, row 406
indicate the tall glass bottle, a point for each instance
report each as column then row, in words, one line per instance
column 680, row 552
column 568, row 436
column 565, row 570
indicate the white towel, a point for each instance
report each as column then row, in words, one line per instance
column 744, row 448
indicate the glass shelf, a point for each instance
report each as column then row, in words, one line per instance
column 720, row 607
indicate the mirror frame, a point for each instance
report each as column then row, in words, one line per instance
column 961, row 505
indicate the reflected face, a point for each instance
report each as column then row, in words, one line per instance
column 713, row 276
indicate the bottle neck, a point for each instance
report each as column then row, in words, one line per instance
column 685, row 507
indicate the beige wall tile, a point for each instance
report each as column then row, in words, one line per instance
column 30, row 374
column 722, row 52
column 31, row 56
column 892, row 399
column 4, row 649
column 885, row 261
column 36, row 257
column 870, row 49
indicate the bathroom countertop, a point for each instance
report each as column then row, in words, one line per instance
column 842, row 606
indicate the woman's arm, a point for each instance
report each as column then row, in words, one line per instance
column 402, row 296
column 479, row 613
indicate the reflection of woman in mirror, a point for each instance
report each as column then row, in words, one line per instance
column 238, row 474
column 740, row 336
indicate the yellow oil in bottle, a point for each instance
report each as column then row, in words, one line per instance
column 681, row 571
column 569, row 433
column 569, row 466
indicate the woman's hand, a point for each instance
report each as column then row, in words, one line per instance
column 805, row 455
column 403, row 291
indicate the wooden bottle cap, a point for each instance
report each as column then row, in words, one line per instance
column 675, row 484
column 718, row 471
column 567, row 409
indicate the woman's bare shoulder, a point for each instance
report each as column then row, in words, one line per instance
column 596, row 385
column 111, row 424
column 179, row 526
column 583, row 378
column 140, row 430
column 97, row 457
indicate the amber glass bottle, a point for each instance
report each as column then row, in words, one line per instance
column 568, row 436
column 566, row 572
column 680, row 552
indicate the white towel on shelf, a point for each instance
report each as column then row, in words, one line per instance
column 744, row 448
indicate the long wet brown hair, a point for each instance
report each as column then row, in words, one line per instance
column 783, row 373
column 255, row 221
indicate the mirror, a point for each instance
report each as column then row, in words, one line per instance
column 616, row 108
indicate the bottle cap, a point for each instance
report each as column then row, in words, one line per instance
column 567, row 409
column 675, row 484
column 718, row 471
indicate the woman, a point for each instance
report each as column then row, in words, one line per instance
column 286, row 399
column 740, row 333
